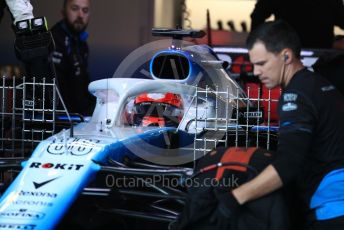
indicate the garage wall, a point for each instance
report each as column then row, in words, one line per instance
column 225, row 10
column 116, row 28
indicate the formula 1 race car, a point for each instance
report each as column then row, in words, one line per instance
column 132, row 158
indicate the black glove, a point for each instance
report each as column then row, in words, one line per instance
column 227, row 205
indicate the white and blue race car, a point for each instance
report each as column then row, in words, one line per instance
column 142, row 132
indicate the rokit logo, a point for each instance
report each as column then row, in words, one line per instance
column 75, row 146
column 22, row 214
column 58, row 166
column 17, row 226
column 37, row 194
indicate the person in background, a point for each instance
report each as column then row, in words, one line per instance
column 313, row 20
column 310, row 152
column 71, row 56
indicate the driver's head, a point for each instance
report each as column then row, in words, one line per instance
column 158, row 109
column 77, row 14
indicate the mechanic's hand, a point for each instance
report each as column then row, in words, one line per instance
column 227, row 204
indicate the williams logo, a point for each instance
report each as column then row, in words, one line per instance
column 22, row 214
column 75, row 146
column 38, row 185
column 58, row 166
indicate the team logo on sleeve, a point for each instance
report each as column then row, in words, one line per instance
column 289, row 97
column 327, row 88
column 289, row 107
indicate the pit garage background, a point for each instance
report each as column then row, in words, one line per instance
column 118, row 27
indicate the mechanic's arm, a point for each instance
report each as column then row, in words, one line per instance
column 287, row 166
column 290, row 158
column 297, row 120
column 294, row 143
column 265, row 183
column 20, row 9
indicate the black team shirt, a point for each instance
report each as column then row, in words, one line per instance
column 71, row 62
column 311, row 136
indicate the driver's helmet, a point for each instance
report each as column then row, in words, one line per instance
column 158, row 109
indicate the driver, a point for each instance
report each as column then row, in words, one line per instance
column 157, row 109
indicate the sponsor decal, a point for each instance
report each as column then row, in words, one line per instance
column 32, row 203
column 289, row 107
column 289, row 97
column 22, row 214
column 37, row 194
column 28, row 103
column 253, row 114
column 57, row 166
column 327, row 88
column 38, row 185
column 57, row 57
column 74, row 146
column 17, row 226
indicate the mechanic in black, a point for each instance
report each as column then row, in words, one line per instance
column 71, row 56
column 310, row 150
column 313, row 20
